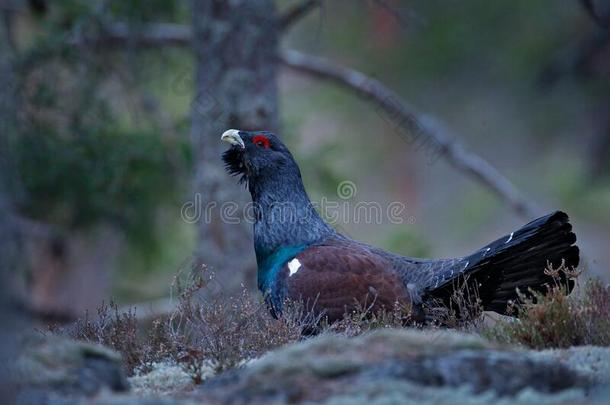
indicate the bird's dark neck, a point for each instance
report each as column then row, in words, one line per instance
column 285, row 217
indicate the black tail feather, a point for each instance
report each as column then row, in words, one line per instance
column 518, row 261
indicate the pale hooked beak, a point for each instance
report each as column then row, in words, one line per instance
column 232, row 136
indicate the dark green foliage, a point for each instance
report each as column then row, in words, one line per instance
column 87, row 151
column 147, row 10
column 78, row 181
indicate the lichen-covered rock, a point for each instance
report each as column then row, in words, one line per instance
column 394, row 366
column 106, row 398
column 52, row 365
column 592, row 361
column 404, row 392
column 162, row 380
column 387, row 366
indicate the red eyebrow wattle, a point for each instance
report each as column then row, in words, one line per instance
column 261, row 138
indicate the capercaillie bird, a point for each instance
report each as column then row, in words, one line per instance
column 302, row 258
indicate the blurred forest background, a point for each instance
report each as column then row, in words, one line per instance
column 112, row 113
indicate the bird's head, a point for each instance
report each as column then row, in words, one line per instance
column 256, row 155
column 284, row 214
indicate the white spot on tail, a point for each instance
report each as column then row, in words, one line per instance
column 509, row 238
column 486, row 251
column 294, row 265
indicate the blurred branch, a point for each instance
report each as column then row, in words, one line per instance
column 169, row 34
column 421, row 125
column 372, row 90
column 150, row 35
column 295, row 13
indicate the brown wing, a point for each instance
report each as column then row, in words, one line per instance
column 336, row 279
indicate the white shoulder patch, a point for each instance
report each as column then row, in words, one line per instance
column 293, row 266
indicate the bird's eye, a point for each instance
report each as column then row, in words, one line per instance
column 261, row 141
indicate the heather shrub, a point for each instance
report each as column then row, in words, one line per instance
column 362, row 318
column 221, row 332
column 205, row 333
column 462, row 310
column 110, row 327
column 559, row 320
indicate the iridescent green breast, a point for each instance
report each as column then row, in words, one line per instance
column 269, row 267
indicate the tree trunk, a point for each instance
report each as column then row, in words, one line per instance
column 235, row 43
column 11, row 254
